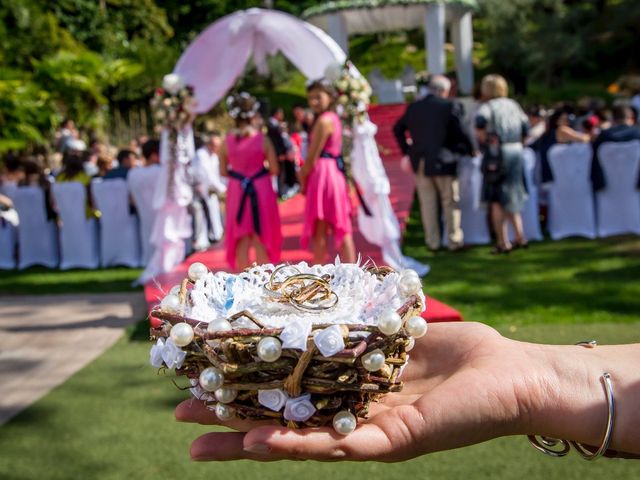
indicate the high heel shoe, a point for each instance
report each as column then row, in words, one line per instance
column 498, row 250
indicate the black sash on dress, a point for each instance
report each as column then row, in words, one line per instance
column 343, row 169
column 249, row 191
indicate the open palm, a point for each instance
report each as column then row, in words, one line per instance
column 462, row 386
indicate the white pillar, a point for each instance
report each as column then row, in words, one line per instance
column 462, row 33
column 337, row 29
column 434, row 38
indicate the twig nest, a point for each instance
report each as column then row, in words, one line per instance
column 171, row 303
column 274, row 399
column 269, row 349
column 225, row 412
column 409, row 283
column 181, row 334
column 196, row 271
column 344, row 422
column 374, row 360
column 416, row 327
column 226, row 395
column 389, row 322
column 211, row 379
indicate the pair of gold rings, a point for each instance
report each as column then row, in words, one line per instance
column 304, row 291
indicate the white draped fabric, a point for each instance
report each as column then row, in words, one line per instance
column 530, row 213
column 618, row 205
column 78, row 234
column 473, row 214
column 218, row 56
column 119, row 234
column 141, row 183
column 571, row 210
column 381, row 228
column 206, row 172
column 37, row 236
column 172, row 195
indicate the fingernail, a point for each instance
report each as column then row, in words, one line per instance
column 259, row 448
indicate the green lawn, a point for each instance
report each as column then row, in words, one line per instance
column 39, row 281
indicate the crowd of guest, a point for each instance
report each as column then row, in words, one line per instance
column 433, row 136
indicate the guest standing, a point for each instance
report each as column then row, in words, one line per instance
column 277, row 132
column 248, row 158
column 127, row 159
column 323, row 180
column 501, row 125
column 438, row 137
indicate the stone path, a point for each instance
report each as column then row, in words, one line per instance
column 46, row 339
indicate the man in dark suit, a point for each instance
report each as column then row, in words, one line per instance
column 437, row 139
column 623, row 130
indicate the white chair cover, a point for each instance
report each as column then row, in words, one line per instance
column 8, row 238
column 78, row 234
column 37, row 236
column 571, row 210
column 119, row 233
column 473, row 214
column 142, row 183
column 530, row 213
column 618, row 205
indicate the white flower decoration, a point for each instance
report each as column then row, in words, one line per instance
column 329, row 341
column 200, row 393
column 295, row 334
column 155, row 356
column 273, row 399
column 299, row 409
column 172, row 355
column 172, row 83
column 333, row 72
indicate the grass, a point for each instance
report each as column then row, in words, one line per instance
column 41, row 281
column 114, row 420
column 563, row 282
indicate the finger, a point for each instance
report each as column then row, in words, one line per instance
column 195, row 411
column 218, row 446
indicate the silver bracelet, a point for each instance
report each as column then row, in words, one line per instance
column 555, row 447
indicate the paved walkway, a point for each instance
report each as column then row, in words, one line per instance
column 46, row 339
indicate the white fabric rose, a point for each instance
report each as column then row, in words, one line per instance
column 299, row 409
column 155, row 356
column 273, row 399
column 172, row 83
column 172, row 355
column 295, row 334
column 329, row 341
column 200, row 393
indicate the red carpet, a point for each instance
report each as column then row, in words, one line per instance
column 402, row 188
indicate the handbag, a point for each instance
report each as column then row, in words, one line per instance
column 493, row 168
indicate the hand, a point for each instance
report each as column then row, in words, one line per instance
column 303, row 176
column 462, row 386
column 405, row 164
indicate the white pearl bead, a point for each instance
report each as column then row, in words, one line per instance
column 226, row 395
column 389, row 322
column 181, row 334
column 171, row 303
column 219, row 326
column 374, row 360
column 416, row 327
column 408, row 272
column 269, row 349
column 344, row 422
column 196, row 271
column 410, row 344
column 211, row 379
column 175, row 290
column 409, row 285
column 225, row 412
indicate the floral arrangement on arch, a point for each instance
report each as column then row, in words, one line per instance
column 173, row 104
column 354, row 92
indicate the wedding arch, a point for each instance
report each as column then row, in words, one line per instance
column 212, row 64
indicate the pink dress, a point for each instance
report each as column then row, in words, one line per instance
column 252, row 205
column 327, row 194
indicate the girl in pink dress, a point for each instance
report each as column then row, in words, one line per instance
column 249, row 160
column 328, row 202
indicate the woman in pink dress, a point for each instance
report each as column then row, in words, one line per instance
column 249, row 160
column 328, row 202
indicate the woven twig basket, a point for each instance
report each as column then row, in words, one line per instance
column 298, row 388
